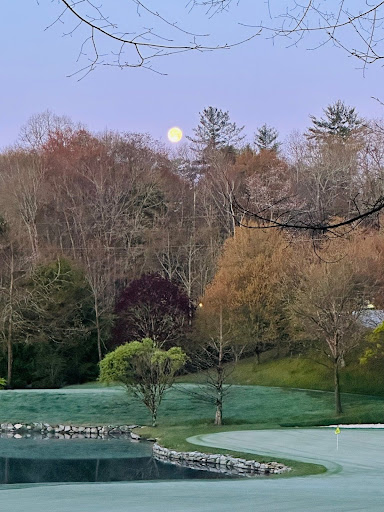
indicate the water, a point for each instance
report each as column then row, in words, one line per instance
column 40, row 461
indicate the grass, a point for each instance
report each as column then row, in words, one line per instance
column 304, row 373
column 175, row 438
column 245, row 405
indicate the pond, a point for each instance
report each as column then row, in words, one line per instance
column 42, row 460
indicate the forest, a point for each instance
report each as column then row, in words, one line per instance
column 223, row 247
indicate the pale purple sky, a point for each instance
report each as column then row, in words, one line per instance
column 256, row 82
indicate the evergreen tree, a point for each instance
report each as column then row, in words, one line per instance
column 55, row 325
column 340, row 120
column 215, row 131
column 266, row 138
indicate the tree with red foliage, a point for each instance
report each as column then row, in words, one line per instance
column 152, row 307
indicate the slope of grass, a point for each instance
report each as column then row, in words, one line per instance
column 304, row 373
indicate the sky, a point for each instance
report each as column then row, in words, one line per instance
column 261, row 81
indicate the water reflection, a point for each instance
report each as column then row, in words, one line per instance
column 37, row 458
column 18, row 471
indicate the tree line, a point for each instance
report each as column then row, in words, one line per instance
column 108, row 238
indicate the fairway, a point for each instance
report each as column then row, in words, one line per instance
column 353, row 482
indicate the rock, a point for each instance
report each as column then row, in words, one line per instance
column 224, row 464
column 134, row 436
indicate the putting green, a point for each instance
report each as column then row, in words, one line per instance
column 354, row 481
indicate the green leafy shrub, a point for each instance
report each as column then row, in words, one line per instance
column 144, row 369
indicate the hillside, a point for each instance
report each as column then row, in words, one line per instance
column 304, row 373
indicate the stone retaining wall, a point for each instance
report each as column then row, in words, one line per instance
column 18, row 430
column 218, row 463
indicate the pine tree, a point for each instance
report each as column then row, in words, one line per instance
column 266, row 138
column 340, row 120
column 215, row 131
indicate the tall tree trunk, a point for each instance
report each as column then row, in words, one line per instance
column 10, row 324
column 10, row 357
column 219, row 392
column 220, row 374
column 338, row 408
column 98, row 328
column 154, row 417
column 219, row 414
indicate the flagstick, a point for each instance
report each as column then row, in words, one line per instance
column 337, row 443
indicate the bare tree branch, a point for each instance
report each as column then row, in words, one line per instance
column 135, row 47
column 299, row 220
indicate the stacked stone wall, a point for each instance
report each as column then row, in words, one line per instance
column 218, row 463
column 45, row 430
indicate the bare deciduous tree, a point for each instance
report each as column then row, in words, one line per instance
column 215, row 360
column 10, row 319
column 35, row 133
column 22, row 193
column 330, row 188
column 328, row 304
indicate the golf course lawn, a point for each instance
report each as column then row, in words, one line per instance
column 245, row 405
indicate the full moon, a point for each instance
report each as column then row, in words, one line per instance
column 175, row 134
